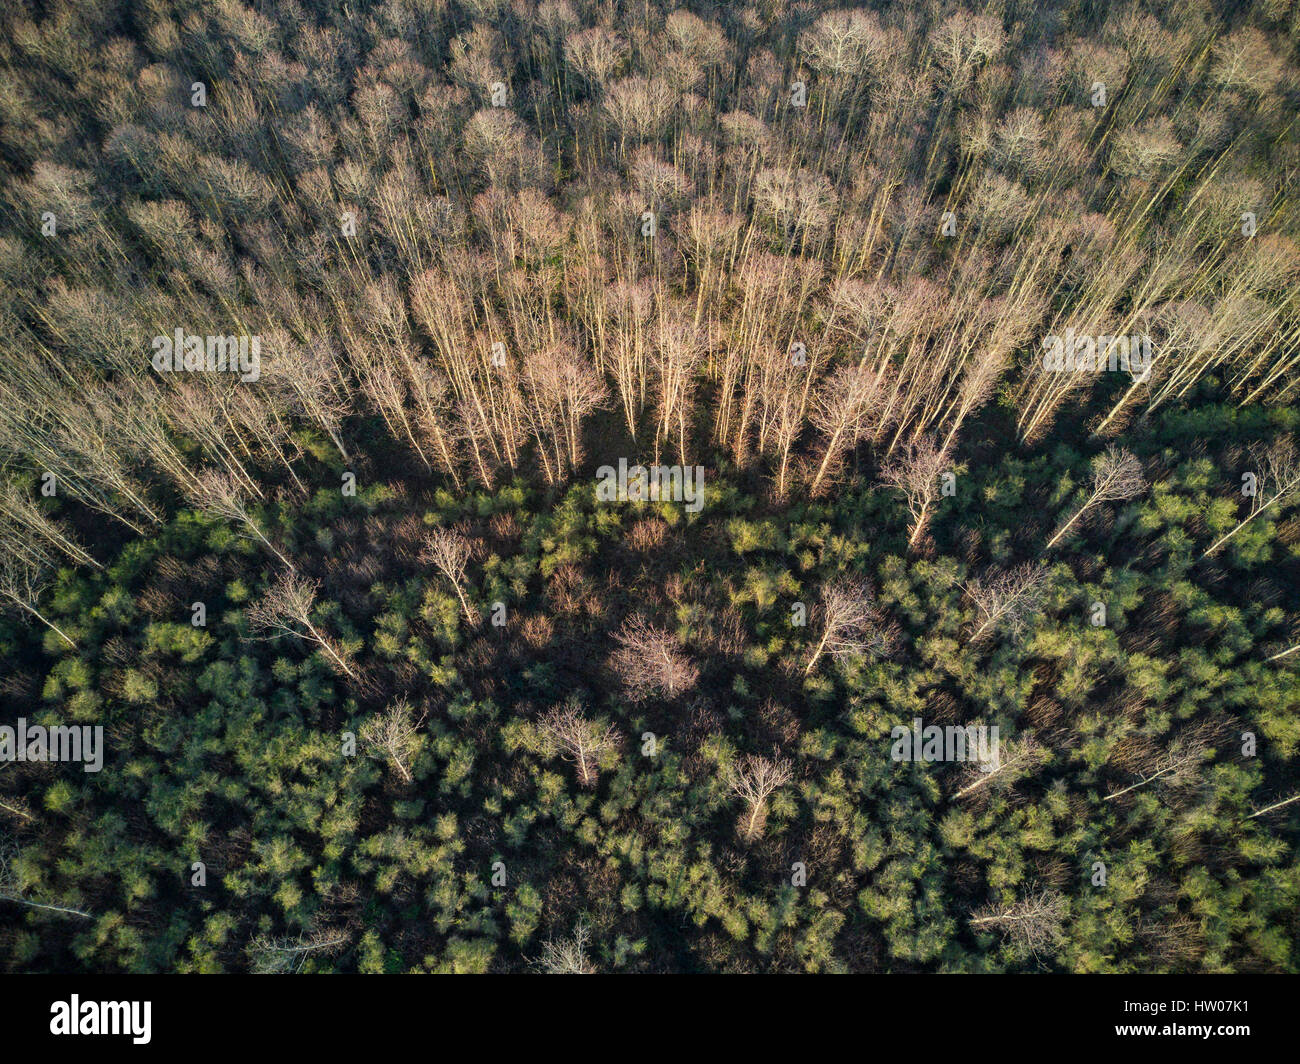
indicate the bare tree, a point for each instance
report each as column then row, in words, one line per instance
column 1294, row 639
column 851, row 623
column 1275, row 805
column 21, row 581
column 74, row 433
column 650, row 662
column 796, row 200
column 1277, row 479
column 220, row 494
column 560, row 389
column 568, row 956
column 676, row 359
column 11, row 887
column 1014, row 758
column 449, row 552
column 1007, row 599
column 310, row 374
column 287, row 607
column 627, row 351
column 19, row 806
column 566, row 732
column 1033, row 924
column 1116, row 475
column 754, row 780
column 1177, row 766
column 977, row 384
column 639, row 107
column 286, row 956
column 915, row 473
column 200, row 411
column 844, row 409
column 26, row 520
column 845, row 46
column 393, row 736
column 595, row 53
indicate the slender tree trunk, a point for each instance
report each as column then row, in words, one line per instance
column 1066, row 527
column 1224, row 539
column 48, row 624
column 16, row 811
column 818, row 652
column 1275, row 805
column 1140, row 783
column 48, row 908
column 324, row 643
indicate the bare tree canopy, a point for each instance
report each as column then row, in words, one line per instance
column 915, row 473
column 449, row 552
column 650, row 662
column 287, row 607
column 568, row 956
column 393, row 736
column 755, row 779
column 1032, row 924
column 1116, row 475
column 566, row 732
column 1277, row 475
column 851, row 623
column 1007, row 600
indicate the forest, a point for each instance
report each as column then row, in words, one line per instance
column 485, row 485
